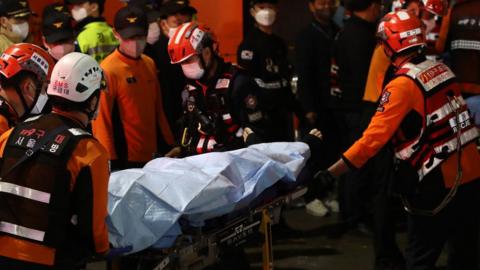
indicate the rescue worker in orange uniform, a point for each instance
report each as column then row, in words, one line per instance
column 54, row 184
column 131, row 123
column 423, row 115
column 220, row 100
column 24, row 72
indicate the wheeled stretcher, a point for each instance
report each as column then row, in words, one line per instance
column 179, row 214
column 200, row 247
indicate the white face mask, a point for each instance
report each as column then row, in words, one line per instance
column 20, row 30
column 171, row 31
column 193, row 70
column 79, row 13
column 133, row 47
column 41, row 101
column 153, row 33
column 58, row 51
column 265, row 16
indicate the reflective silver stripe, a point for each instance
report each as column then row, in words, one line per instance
column 180, row 33
column 271, row 85
column 21, row 231
column 410, row 33
column 467, row 136
column 437, row 80
column 408, row 151
column 25, row 192
column 462, row 44
column 32, row 118
column 78, row 131
column 416, row 71
column 101, row 49
column 443, row 111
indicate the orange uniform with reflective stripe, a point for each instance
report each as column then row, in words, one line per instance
column 376, row 74
column 404, row 95
column 132, row 106
column 88, row 154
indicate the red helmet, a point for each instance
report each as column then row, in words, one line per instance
column 400, row 31
column 437, row 7
column 26, row 57
column 189, row 39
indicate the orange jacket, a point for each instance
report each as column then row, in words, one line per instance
column 89, row 155
column 4, row 125
column 132, row 106
column 401, row 96
column 376, row 74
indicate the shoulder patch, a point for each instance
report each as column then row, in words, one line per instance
column 251, row 102
column 223, row 83
column 384, row 100
column 246, row 55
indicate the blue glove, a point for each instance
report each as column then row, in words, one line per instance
column 117, row 252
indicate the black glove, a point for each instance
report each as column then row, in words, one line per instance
column 117, row 252
column 324, row 180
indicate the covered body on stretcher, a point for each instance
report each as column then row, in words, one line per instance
column 149, row 207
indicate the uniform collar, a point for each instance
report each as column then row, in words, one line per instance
column 127, row 59
column 81, row 24
column 69, row 117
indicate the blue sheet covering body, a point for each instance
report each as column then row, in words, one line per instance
column 145, row 204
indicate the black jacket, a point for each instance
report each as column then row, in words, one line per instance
column 354, row 47
column 264, row 56
column 313, row 55
column 171, row 79
column 221, row 107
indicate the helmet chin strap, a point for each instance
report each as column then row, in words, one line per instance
column 26, row 109
column 204, row 66
column 91, row 113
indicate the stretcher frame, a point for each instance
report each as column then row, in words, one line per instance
column 199, row 249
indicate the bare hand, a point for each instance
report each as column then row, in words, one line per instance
column 247, row 131
column 317, row 133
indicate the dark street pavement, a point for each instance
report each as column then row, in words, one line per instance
column 317, row 243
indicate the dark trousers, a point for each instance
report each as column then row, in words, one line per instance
column 7, row 263
column 365, row 193
column 11, row 264
column 456, row 226
column 352, row 186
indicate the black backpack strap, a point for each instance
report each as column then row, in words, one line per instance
column 30, row 152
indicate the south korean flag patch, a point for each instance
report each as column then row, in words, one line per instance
column 383, row 101
column 246, row 55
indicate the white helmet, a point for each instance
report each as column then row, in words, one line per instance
column 75, row 77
